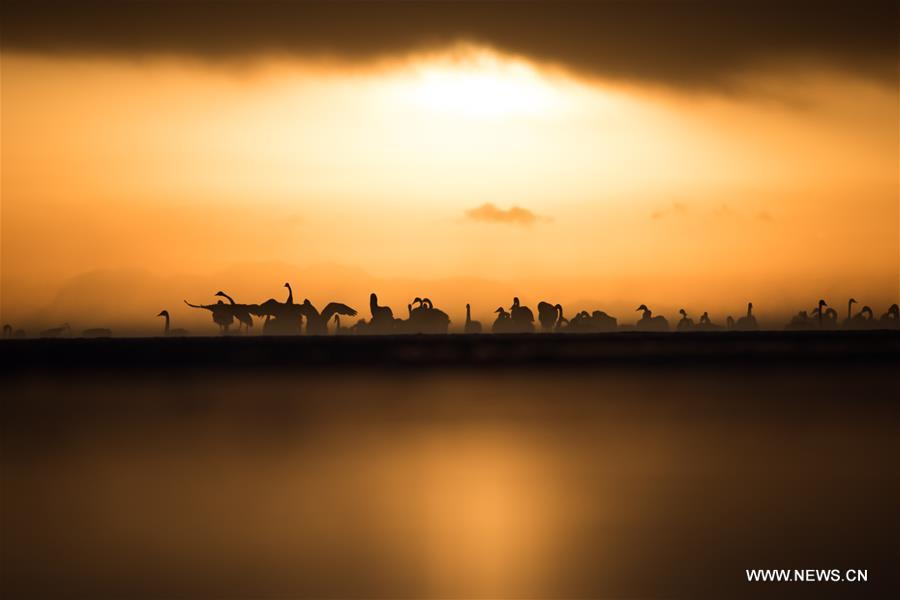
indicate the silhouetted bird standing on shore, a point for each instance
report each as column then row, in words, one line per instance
column 170, row 332
column 848, row 322
column 548, row 315
column 648, row 322
column 891, row 319
column 240, row 312
column 282, row 318
column 316, row 322
column 522, row 317
column 382, row 316
column 221, row 314
column 685, row 323
column 503, row 323
column 471, row 326
column 748, row 321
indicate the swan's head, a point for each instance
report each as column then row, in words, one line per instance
column 417, row 300
column 163, row 313
column 822, row 303
column 500, row 310
column 515, row 303
column 558, row 307
column 852, row 301
column 468, row 307
column 219, row 293
column 306, row 302
column 642, row 307
column 683, row 313
column 287, row 285
column 373, row 297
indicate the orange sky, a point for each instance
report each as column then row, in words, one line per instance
column 464, row 174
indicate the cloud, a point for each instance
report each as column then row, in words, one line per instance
column 488, row 213
column 681, row 44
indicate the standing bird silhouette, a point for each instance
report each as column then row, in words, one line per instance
column 471, row 326
column 747, row 322
column 171, row 332
column 239, row 311
column 648, row 322
column 316, row 322
column 548, row 315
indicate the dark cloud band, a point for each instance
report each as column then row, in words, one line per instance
column 686, row 44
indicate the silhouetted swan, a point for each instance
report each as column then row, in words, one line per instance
column 425, row 318
column 55, row 332
column 166, row 330
column 864, row 319
column 561, row 322
column 282, row 318
column 819, row 312
column 221, row 313
column 600, row 321
column 316, row 322
column 705, row 324
column 379, row 312
column 471, row 326
column 648, row 322
column 239, row 311
column 97, row 332
column 685, row 323
column 548, row 315
column 800, row 322
column 503, row 323
column 7, row 330
column 382, row 316
column 890, row 319
column 747, row 322
column 849, row 320
column 521, row 314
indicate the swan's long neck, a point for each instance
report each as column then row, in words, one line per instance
column 230, row 299
column 468, row 314
column 749, row 310
column 166, row 330
column 849, row 308
column 290, row 299
column 559, row 314
column 373, row 303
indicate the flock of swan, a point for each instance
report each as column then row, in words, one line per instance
column 290, row 318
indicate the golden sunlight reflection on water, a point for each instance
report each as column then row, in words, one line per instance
column 443, row 484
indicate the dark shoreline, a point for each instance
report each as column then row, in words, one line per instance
column 523, row 350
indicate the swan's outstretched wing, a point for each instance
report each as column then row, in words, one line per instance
column 267, row 308
column 210, row 307
column 336, row 308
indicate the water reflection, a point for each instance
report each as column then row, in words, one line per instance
column 444, row 483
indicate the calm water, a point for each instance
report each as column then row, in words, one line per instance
column 643, row 482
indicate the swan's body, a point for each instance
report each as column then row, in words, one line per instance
column 648, row 322
column 685, row 323
column 503, row 323
column 521, row 316
column 548, row 315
